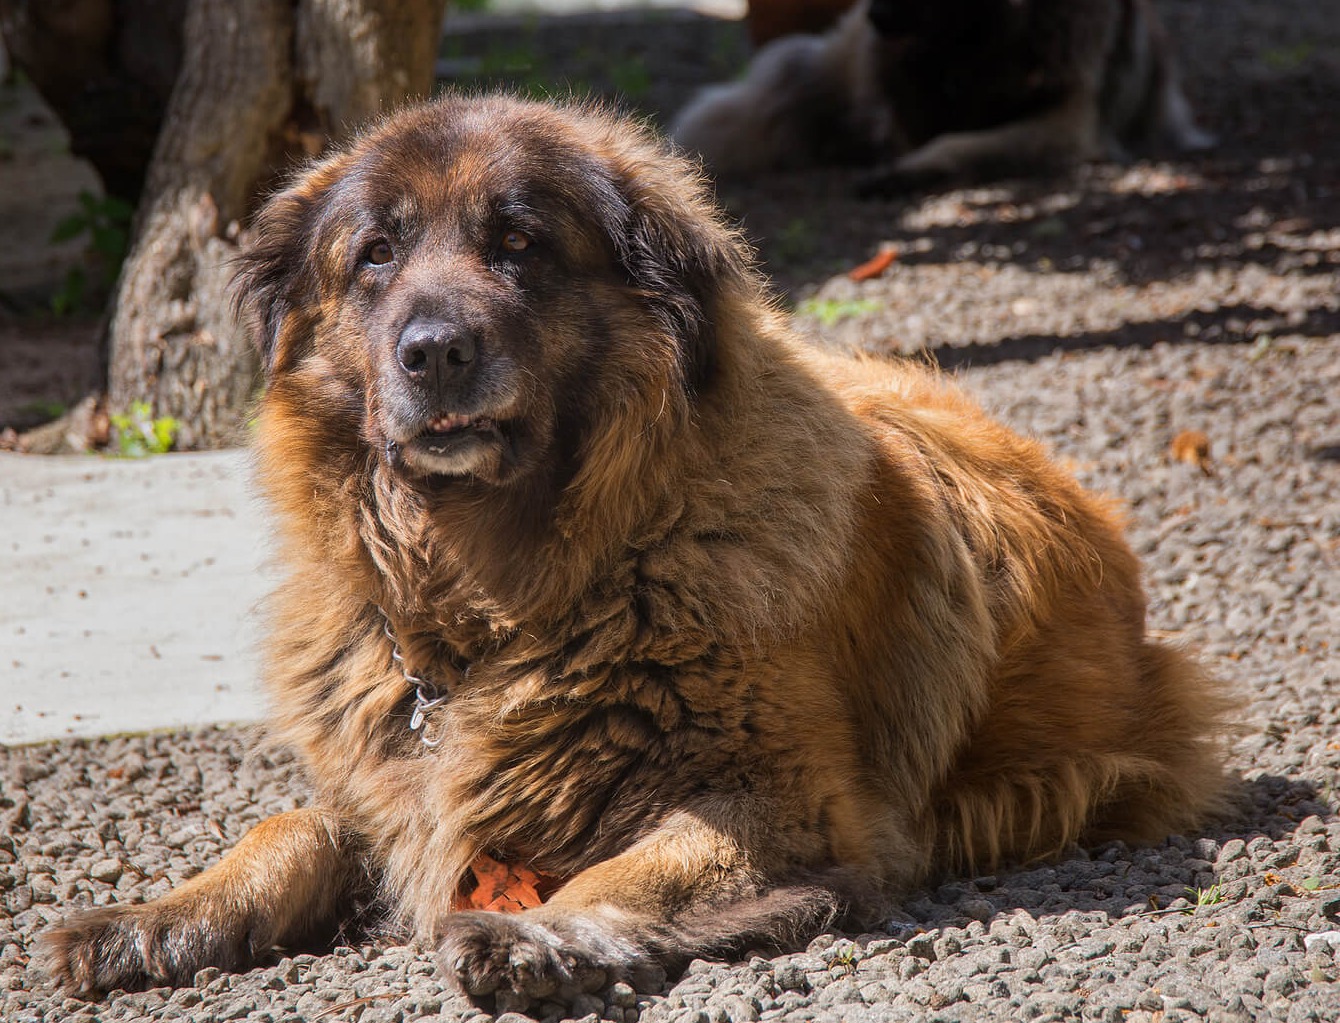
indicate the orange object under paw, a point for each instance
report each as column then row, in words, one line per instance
column 505, row 887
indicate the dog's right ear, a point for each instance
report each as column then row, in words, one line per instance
column 276, row 281
column 675, row 248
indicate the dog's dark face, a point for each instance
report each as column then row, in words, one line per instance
column 467, row 286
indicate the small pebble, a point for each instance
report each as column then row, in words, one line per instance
column 108, row 871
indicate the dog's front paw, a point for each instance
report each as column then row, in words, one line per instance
column 525, row 957
column 134, row 947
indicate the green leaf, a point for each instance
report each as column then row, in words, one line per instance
column 69, row 227
column 830, row 312
column 71, row 294
column 118, row 210
column 109, row 242
column 1310, row 883
column 165, row 432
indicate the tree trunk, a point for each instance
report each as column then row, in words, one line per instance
column 262, row 81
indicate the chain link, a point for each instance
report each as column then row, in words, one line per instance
column 426, row 694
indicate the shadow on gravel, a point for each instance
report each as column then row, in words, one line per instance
column 1236, row 324
column 1326, row 452
column 1270, row 805
column 1121, row 880
column 1273, row 211
column 1149, row 222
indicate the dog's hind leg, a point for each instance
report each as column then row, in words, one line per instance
column 285, row 881
column 688, row 889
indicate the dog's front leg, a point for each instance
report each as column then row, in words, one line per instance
column 284, row 881
column 1043, row 143
column 688, row 889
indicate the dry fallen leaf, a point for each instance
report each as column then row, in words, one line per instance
column 505, row 887
column 1193, row 448
column 873, row 267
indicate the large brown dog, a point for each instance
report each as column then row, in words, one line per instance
column 730, row 636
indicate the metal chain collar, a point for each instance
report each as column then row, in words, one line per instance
column 426, row 694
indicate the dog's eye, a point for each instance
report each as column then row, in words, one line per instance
column 516, row 241
column 379, row 253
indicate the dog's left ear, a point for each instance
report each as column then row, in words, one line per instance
column 276, row 283
column 273, row 277
column 677, row 252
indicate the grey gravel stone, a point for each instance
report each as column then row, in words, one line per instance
column 922, row 946
column 108, row 871
column 790, row 977
column 584, row 1005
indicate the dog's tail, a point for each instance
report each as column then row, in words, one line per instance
column 1191, row 715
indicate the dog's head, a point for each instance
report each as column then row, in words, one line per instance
column 469, row 286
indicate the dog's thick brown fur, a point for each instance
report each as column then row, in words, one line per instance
column 935, row 91
column 738, row 636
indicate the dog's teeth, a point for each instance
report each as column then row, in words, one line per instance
column 439, row 424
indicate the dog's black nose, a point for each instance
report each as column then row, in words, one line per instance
column 432, row 349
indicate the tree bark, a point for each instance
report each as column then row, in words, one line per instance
column 262, row 81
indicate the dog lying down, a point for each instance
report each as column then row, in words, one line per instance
column 931, row 91
column 595, row 571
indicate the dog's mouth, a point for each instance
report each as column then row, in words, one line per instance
column 442, row 431
column 454, row 444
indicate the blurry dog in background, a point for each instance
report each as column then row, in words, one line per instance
column 938, row 90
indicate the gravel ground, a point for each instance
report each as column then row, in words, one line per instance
column 1107, row 313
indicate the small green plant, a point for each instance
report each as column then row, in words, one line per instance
column 846, row 958
column 137, row 433
column 106, row 222
column 1210, row 896
column 1288, row 58
column 72, row 293
column 832, row 311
